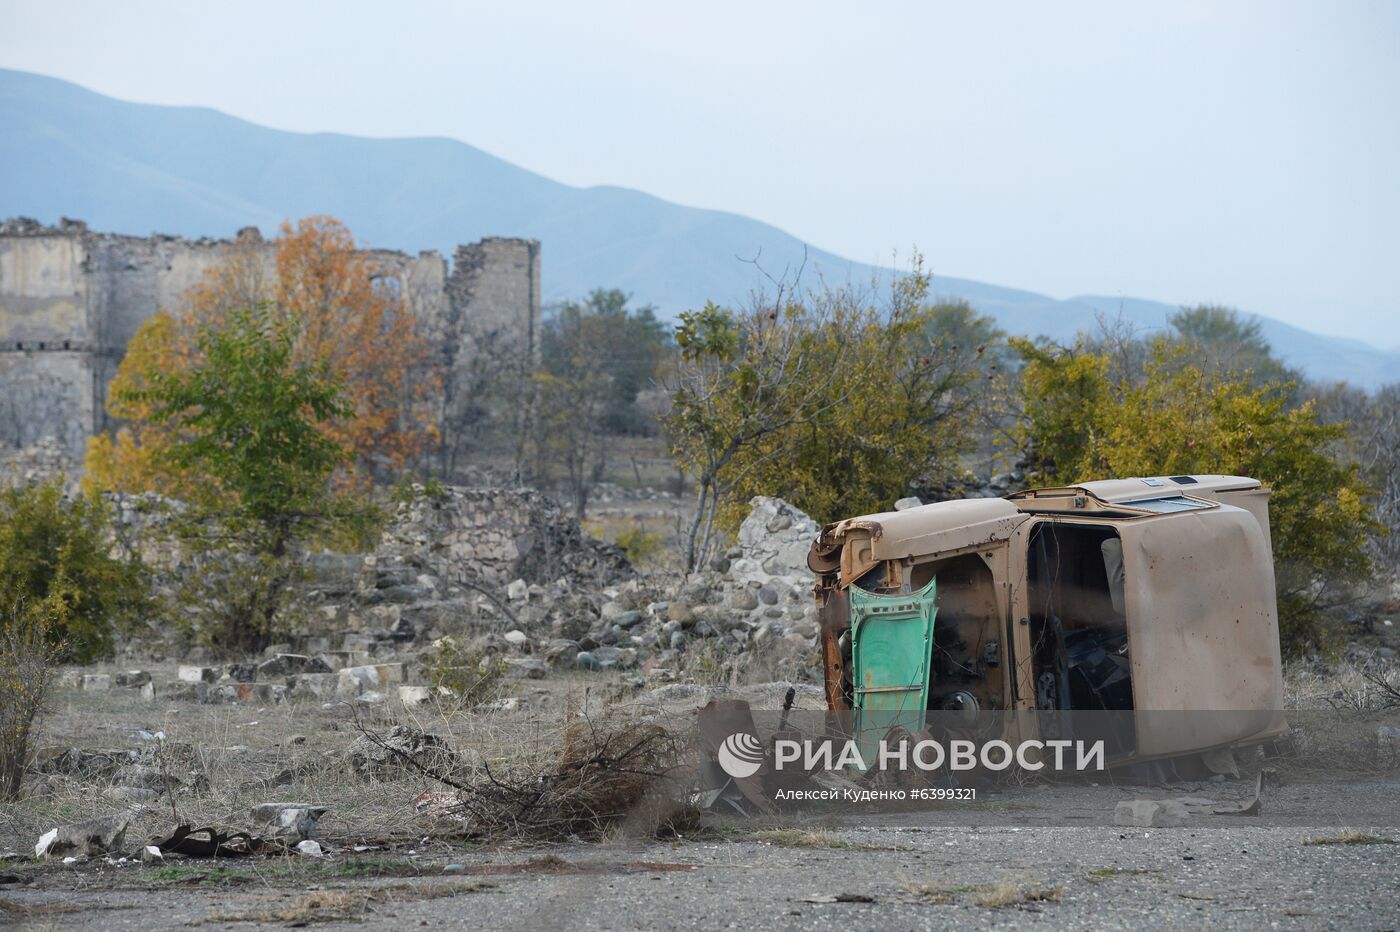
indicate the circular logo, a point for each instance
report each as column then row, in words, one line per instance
column 740, row 755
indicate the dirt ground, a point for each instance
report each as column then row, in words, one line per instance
column 1324, row 851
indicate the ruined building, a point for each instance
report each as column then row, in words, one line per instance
column 71, row 299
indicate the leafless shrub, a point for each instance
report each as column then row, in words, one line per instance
column 607, row 773
column 1387, row 687
column 1369, row 686
column 27, row 659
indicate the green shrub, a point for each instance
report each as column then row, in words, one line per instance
column 471, row 676
column 641, row 546
column 1170, row 416
column 53, row 547
column 235, row 603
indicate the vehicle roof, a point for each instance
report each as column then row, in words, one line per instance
column 952, row 525
column 1125, row 490
column 933, row 528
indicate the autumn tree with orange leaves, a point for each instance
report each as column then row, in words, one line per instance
column 327, row 291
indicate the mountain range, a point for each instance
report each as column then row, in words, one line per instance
column 139, row 168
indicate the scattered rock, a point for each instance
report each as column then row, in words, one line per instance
column 192, row 674
column 242, row 672
column 561, row 652
column 1151, row 813
column 290, row 820
column 145, row 692
column 354, row 680
column 131, row 795
column 413, row 696
column 144, row 776
column 283, row 665
column 745, row 600
column 386, row 756
column 84, row 839
column 774, row 539
column 315, row 685
column 528, row 667
column 250, row 693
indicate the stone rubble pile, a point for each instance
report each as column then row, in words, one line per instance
column 970, row 485
column 755, row 597
column 506, row 573
column 497, row 535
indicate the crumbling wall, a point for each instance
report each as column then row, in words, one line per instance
column 43, row 288
column 497, row 280
column 43, row 461
column 495, row 536
column 45, row 393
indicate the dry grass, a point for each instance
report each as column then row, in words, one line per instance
column 934, row 893
column 1100, row 874
column 796, row 838
column 10, row 911
column 989, row 896
column 1349, row 837
column 349, row 905
column 237, row 756
column 1004, row 894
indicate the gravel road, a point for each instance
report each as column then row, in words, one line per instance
column 1029, row 856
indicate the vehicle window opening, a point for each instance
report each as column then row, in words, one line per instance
column 1079, row 636
column 965, row 667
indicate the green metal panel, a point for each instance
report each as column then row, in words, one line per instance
column 891, row 645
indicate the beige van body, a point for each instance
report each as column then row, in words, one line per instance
column 1129, row 594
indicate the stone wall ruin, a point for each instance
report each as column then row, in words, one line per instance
column 71, row 299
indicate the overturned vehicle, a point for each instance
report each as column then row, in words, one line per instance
column 1139, row 609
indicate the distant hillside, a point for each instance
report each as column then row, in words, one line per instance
column 137, row 168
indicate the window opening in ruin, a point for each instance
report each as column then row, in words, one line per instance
column 387, row 287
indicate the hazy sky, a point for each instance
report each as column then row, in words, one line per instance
column 1238, row 152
